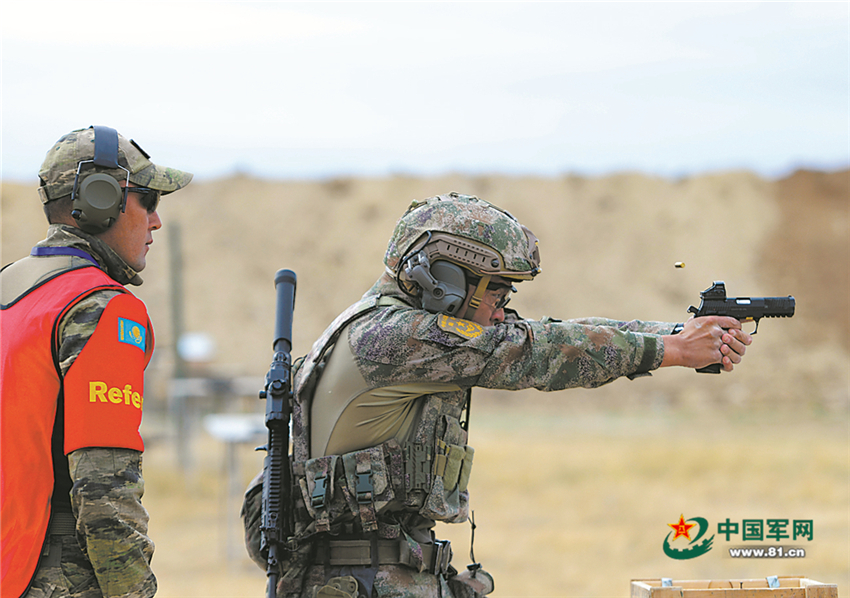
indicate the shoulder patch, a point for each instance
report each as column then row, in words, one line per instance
column 132, row 333
column 463, row 328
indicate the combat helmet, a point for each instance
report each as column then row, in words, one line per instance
column 445, row 242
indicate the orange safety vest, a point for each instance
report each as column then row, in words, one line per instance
column 101, row 392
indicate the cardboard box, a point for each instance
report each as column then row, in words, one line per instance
column 771, row 587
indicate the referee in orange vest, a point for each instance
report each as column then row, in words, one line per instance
column 73, row 350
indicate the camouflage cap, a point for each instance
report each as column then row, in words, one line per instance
column 468, row 231
column 59, row 168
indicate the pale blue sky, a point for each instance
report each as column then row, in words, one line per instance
column 298, row 90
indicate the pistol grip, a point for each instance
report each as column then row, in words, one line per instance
column 714, row 368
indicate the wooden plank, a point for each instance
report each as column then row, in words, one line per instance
column 789, row 587
column 651, row 588
column 815, row 589
column 753, row 583
column 722, row 583
column 746, row 593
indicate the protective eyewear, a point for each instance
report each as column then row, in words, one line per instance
column 500, row 303
column 148, row 198
column 504, row 300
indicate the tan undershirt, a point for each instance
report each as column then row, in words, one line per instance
column 346, row 415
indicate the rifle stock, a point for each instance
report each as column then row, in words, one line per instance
column 276, row 524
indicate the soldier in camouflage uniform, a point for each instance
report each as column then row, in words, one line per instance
column 381, row 405
column 74, row 346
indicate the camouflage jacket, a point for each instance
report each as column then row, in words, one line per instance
column 388, row 380
column 404, row 462
column 403, row 344
column 111, row 523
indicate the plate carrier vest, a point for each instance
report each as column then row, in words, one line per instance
column 391, row 488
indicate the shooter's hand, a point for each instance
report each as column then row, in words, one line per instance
column 705, row 341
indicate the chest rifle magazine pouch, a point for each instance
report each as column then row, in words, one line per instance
column 446, row 500
column 319, row 486
column 368, row 485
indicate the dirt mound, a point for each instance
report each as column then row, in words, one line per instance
column 608, row 248
column 810, row 252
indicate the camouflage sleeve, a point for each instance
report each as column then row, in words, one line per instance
column 252, row 512
column 659, row 328
column 107, row 484
column 78, row 325
column 112, row 524
column 396, row 346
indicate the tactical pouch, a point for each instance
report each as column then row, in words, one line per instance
column 466, row 469
column 472, row 583
column 368, row 486
column 451, row 462
column 355, row 487
column 318, row 489
column 447, row 501
column 456, row 463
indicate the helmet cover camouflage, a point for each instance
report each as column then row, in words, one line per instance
column 468, row 231
column 59, row 168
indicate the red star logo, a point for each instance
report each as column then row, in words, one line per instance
column 682, row 528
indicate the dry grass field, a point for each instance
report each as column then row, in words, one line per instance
column 568, row 502
column 572, row 491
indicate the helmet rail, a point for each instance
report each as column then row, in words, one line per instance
column 485, row 241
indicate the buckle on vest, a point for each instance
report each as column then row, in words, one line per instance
column 319, row 496
column 364, row 487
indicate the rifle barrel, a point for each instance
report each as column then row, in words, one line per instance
column 284, row 282
column 275, row 526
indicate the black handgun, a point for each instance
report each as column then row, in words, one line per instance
column 744, row 309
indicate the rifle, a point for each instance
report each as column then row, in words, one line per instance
column 745, row 309
column 276, row 523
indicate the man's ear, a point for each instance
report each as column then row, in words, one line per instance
column 58, row 211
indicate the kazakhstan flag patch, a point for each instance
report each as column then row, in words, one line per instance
column 132, row 333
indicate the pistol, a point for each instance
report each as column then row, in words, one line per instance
column 714, row 302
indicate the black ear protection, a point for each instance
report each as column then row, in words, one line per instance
column 98, row 198
column 443, row 284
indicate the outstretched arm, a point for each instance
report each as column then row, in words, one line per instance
column 707, row 340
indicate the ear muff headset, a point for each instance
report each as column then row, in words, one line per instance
column 98, row 198
column 443, row 284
